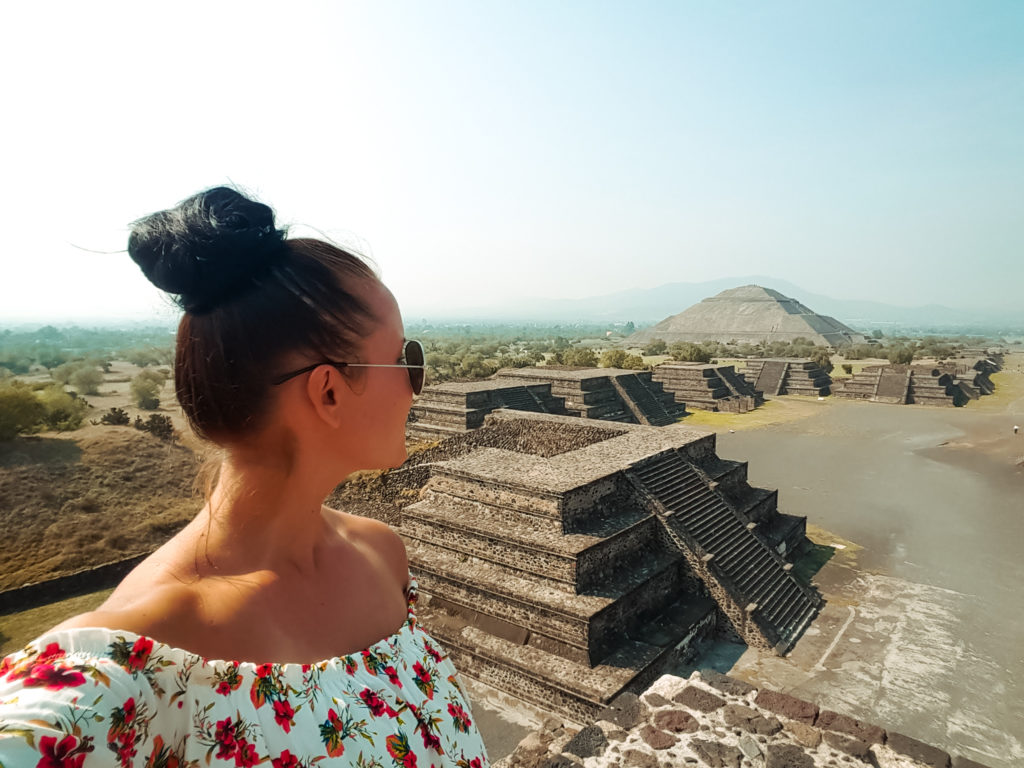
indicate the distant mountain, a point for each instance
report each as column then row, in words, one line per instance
column 654, row 304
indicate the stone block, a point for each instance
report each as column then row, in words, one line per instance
column 848, row 745
column 765, row 726
column 787, row 756
column 787, row 706
column 697, row 698
column 832, row 721
column 726, row 684
column 590, row 742
column 917, row 750
column 749, row 747
column 804, row 734
column 626, row 711
column 655, row 700
column 735, row 715
column 676, row 721
column 655, row 738
column 717, row 755
column 634, row 758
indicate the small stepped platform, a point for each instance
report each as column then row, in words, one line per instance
column 708, row 387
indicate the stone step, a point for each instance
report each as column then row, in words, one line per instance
column 573, row 562
column 580, row 626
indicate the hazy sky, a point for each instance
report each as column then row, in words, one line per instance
column 480, row 151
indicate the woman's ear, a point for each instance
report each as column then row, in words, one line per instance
column 326, row 392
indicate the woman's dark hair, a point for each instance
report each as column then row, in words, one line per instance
column 250, row 297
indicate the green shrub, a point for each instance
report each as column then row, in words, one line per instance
column 157, row 425
column 65, row 411
column 848, row 369
column 656, row 347
column 20, row 411
column 86, row 381
column 114, row 417
column 686, row 352
column 633, row 363
column 145, row 388
column 613, row 358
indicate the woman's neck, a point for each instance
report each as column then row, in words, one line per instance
column 264, row 514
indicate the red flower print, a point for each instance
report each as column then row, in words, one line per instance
column 305, row 669
column 432, row 652
column 476, row 763
column 52, row 652
column 283, row 714
column 264, row 670
column 60, row 755
column 129, row 710
column 392, row 676
column 246, row 755
column 460, row 719
column 398, row 748
column 225, row 737
column 424, row 681
column 350, row 665
column 139, row 654
column 286, row 760
column 430, row 740
column 224, row 687
column 53, row 678
column 376, row 704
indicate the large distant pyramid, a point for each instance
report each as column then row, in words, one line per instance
column 749, row 314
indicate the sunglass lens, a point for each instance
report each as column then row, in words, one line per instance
column 414, row 357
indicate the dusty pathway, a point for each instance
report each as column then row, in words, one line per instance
column 925, row 617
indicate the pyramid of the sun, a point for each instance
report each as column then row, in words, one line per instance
column 749, row 314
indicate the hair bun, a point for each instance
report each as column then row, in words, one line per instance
column 207, row 248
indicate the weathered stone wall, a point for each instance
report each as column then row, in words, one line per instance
column 717, row 721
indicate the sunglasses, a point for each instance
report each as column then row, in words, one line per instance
column 412, row 360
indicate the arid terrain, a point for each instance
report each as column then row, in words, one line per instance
column 917, row 506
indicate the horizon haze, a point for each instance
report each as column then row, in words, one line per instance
column 488, row 155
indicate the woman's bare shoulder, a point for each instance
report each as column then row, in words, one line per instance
column 152, row 614
column 375, row 536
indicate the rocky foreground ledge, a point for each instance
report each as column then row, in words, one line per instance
column 721, row 722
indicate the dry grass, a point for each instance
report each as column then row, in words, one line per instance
column 17, row 629
column 83, row 498
column 777, row 411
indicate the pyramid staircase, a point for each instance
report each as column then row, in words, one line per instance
column 771, row 376
column 752, row 574
column 708, row 387
column 647, row 399
column 521, row 399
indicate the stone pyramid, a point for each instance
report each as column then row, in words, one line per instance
column 749, row 314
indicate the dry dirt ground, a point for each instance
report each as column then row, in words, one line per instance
column 75, row 499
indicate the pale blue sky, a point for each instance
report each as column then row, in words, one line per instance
column 482, row 151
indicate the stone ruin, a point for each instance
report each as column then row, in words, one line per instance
column 953, row 383
column 608, row 394
column 788, row 376
column 708, row 387
column 715, row 720
column 565, row 560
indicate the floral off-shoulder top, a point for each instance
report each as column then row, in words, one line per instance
column 81, row 698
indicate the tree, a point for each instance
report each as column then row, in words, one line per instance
column 582, row 357
column 822, row 359
column 86, row 381
column 686, row 352
column 20, row 411
column 656, row 347
column 876, row 334
column 900, row 354
column 613, row 358
column 633, row 363
column 65, row 411
column 145, row 389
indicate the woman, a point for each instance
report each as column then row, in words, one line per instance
column 265, row 631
